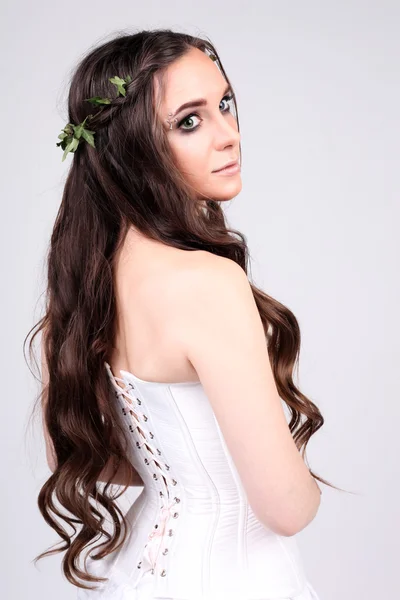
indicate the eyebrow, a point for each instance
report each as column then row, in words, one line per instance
column 198, row 102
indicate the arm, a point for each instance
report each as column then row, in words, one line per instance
column 126, row 474
column 222, row 334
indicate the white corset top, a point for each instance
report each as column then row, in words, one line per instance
column 193, row 534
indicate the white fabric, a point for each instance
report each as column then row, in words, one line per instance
column 193, row 535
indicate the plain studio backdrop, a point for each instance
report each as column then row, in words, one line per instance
column 318, row 98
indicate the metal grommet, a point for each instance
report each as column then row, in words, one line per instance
column 170, row 533
column 131, row 428
column 137, row 444
column 175, row 515
column 144, row 418
column 123, row 410
column 151, row 434
column 158, row 451
column 155, row 476
column 139, row 565
column 161, row 494
column 177, row 500
column 138, row 401
column 155, row 526
column 167, row 467
column 165, row 551
column 174, row 482
column 163, row 573
column 146, row 460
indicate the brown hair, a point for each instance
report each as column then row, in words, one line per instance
column 129, row 178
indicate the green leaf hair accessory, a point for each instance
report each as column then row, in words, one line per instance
column 72, row 134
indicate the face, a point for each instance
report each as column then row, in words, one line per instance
column 202, row 138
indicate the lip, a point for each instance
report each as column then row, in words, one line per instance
column 229, row 164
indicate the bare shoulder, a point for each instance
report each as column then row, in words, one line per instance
column 201, row 286
column 214, row 293
column 204, row 274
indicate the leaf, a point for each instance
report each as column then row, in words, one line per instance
column 119, row 83
column 72, row 146
column 88, row 136
column 78, row 130
column 97, row 100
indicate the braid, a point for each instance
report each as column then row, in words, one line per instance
column 72, row 134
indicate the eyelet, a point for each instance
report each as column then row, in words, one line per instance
column 151, row 434
column 167, row 467
column 176, row 515
column 158, row 451
column 138, row 445
column 155, row 476
column 163, row 573
column 144, row 418
column 177, row 500
column 174, row 482
column 146, row 460
column 165, row 551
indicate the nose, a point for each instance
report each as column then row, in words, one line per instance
column 226, row 132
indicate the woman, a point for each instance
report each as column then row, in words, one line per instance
column 162, row 365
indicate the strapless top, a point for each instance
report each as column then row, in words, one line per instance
column 192, row 533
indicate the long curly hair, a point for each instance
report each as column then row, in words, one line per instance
column 129, row 178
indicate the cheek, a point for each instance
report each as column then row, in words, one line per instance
column 192, row 154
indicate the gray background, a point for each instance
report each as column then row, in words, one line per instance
column 318, row 91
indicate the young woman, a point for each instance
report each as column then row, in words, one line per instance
column 162, row 365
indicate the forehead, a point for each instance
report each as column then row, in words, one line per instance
column 190, row 77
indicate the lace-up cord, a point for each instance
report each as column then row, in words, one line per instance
column 153, row 546
column 153, row 450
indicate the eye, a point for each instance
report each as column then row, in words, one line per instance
column 189, row 118
column 227, row 98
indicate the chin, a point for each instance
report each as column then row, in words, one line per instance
column 229, row 191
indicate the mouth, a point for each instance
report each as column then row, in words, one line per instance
column 229, row 164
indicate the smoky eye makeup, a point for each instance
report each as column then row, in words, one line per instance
column 180, row 123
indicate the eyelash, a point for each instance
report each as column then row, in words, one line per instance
column 228, row 97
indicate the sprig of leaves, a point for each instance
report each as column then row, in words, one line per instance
column 72, row 134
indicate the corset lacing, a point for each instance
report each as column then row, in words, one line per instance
column 155, row 540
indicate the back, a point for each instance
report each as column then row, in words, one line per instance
column 191, row 316
column 225, row 488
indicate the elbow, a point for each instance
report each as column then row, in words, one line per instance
column 290, row 522
column 293, row 526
